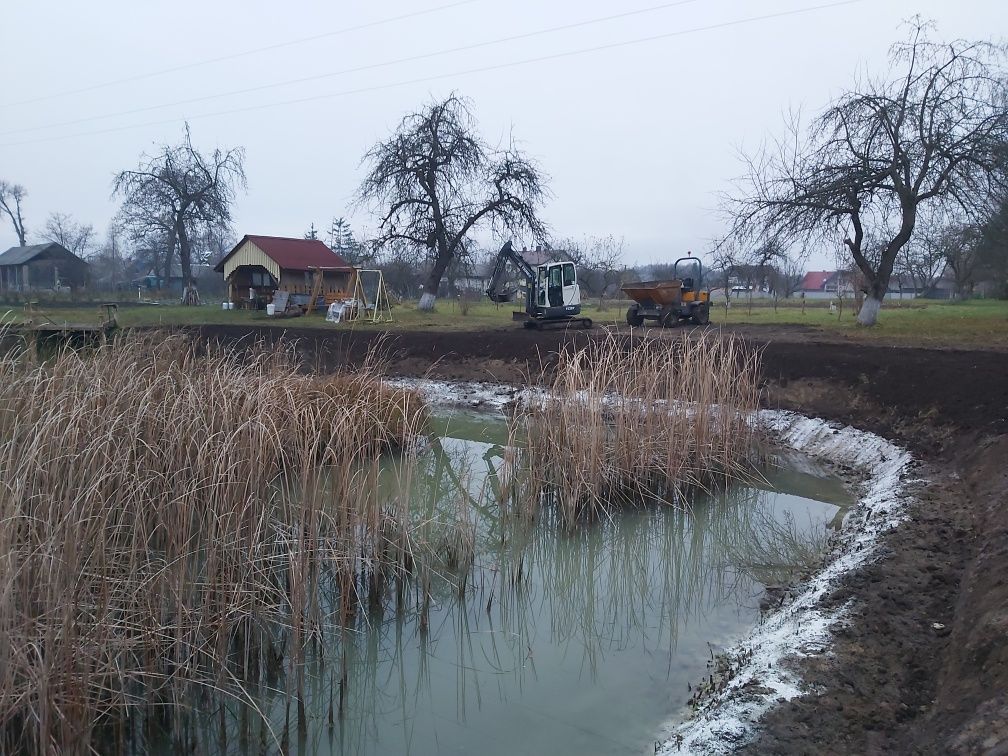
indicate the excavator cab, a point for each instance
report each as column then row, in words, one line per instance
column 557, row 287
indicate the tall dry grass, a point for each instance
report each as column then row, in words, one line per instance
column 176, row 519
column 626, row 420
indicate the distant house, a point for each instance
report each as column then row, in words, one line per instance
column 476, row 280
column 42, row 266
column 827, row 284
column 540, row 256
column 259, row 266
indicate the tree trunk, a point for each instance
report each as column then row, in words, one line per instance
column 189, row 294
column 868, row 316
column 429, row 297
column 878, row 284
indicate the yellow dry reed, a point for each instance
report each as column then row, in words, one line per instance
column 175, row 516
column 626, row 419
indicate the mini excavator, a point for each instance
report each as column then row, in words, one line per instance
column 552, row 295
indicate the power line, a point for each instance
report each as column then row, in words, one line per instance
column 242, row 54
column 358, row 69
column 437, row 77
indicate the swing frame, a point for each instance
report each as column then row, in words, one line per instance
column 380, row 311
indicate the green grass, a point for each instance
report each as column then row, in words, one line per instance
column 974, row 323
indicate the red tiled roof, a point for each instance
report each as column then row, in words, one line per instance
column 292, row 254
column 815, row 280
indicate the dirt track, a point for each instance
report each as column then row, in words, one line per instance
column 894, row 683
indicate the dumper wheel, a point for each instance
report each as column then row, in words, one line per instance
column 701, row 316
column 669, row 319
column 586, row 323
column 633, row 317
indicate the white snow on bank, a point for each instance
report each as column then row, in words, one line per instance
column 801, row 627
column 763, row 675
column 456, row 394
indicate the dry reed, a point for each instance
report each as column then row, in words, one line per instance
column 174, row 519
column 626, row 420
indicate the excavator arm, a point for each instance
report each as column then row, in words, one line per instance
column 497, row 289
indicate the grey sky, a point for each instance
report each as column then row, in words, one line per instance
column 637, row 138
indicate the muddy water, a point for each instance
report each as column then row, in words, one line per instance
column 561, row 642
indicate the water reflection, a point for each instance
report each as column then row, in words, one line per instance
column 518, row 635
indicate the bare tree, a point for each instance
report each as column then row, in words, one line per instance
column 882, row 155
column 180, row 192
column 725, row 260
column 11, row 196
column 435, row 182
column 786, row 275
column 68, row 233
column 599, row 261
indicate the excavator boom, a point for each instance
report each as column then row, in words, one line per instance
column 496, row 289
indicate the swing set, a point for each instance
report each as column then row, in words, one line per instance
column 372, row 296
column 369, row 301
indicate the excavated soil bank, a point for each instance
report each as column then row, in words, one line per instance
column 921, row 663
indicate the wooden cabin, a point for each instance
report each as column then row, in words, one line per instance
column 42, row 266
column 259, row 266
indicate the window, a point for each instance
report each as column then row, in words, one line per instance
column 261, row 279
column 568, row 274
column 554, row 277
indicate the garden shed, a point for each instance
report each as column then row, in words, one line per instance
column 42, row 266
column 259, row 266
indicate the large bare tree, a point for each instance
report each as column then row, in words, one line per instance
column 435, row 182
column 868, row 168
column 11, row 196
column 180, row 193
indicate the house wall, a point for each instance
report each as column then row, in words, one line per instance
column 300, row 281
column 250, row 254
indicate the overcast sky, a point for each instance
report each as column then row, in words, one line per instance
column 637, row 137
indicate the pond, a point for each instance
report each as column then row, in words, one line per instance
column 557, row 640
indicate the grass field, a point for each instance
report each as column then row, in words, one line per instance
column 974, row 323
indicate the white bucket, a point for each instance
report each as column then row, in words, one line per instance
column 224, row 305
column 271, row 309
column 230, row 305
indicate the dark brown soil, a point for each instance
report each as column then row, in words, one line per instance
column 896, row 681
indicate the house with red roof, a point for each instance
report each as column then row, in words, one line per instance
column 827, row 284
column 259, row 266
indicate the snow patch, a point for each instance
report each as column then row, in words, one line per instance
column 469, row 394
